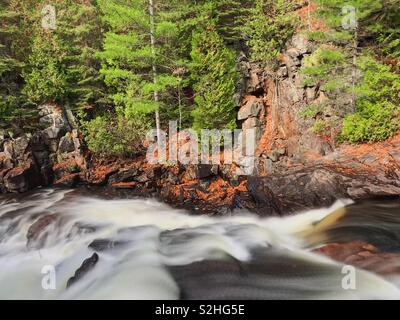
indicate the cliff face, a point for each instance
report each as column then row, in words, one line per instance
column 28, row 161
column 284, row 136
column 301, row 169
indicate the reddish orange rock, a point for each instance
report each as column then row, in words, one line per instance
column 362, row 255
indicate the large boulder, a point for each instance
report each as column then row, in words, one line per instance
column 128, row 175
column 66, row 144
column 22, row 178
column 318, row 186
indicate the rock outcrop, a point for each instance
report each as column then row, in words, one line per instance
column 29, row 160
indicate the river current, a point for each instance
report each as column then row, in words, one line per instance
column 151, row 251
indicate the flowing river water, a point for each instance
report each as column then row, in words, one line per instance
column 151, row 251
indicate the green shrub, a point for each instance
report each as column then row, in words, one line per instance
column 310, row 111
column 117, row 135
column 326, row 66
column 374, row 122
column 378, row 105
column 319, row 126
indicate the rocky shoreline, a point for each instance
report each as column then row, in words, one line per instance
column 214, row 189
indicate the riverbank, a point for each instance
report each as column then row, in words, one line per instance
column 352, row 172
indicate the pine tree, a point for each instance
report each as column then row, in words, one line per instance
column 79, row 30
column 15, row 32
column 357, row 75
column 138, row 78
column 214, row 75
column 269, row 25
column 61, row 66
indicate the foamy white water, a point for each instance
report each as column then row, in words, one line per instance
column 156, row 251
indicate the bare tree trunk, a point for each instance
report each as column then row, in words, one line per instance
column 153, row 50
column 354, row 70
column 180, row 105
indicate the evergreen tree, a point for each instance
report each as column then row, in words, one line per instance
column 385, row 25
column 128, row 59
column 269, row 25
column 80, row 31
column 15, row 20
column 61, row 66
column 214, row 75
column 335, row 66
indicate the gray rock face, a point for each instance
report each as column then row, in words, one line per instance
column 251, row 123
column 20, row 145
column 9, row 149
column 26, row 161
column 301, row 43
column 21, row 179
column 52, row 133
column 251, row 109
column 66, row 144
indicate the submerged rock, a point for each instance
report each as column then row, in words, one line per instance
column 86, row 266
column 362, row 255
column 36, row 232
column 106, row 244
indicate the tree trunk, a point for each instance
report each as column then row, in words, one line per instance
column 354, row 70
column 153, row 50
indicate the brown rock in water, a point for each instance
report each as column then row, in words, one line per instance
column 86, row 266
column 362, row 255
column 36, row 231
column 101, row 245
